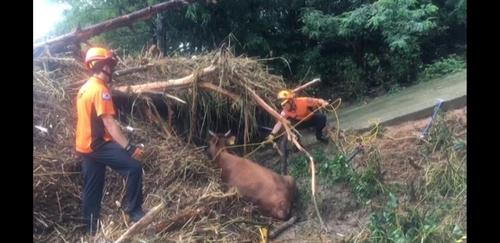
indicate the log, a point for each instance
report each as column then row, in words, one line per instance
column 145, row 221
column 162, row 85
column 80, row 35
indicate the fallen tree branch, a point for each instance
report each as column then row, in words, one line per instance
column 157, row 87
column 132, row 70
column 166, row 95
column 55, row 59
column 213, row 87
column 282, row 227
column 81, row 35
column 313, row 181
column 145, row 221
column 162, row 85
column 306, row 85
column 179, row 220
column 118, row 73
column 273, row 113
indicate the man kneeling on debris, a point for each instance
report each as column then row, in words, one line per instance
column 101, row 143
column 300, row 109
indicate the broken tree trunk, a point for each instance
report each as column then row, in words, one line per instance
column 145, row 221
column 80, row 35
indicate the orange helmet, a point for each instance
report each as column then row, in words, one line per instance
column 96, row 55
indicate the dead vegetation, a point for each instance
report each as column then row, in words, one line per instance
column 176, row 173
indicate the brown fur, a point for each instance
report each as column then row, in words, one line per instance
column 273, row 193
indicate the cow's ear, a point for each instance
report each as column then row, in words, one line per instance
column 231, row 140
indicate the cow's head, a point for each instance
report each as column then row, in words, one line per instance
column 218, row 141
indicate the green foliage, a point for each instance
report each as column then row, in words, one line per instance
column 355, row 46
column 336, row 170
column 402, row 22
column 365, row 183
column 442, row 67
column 398, row 222
column 448, row 177
column 439, row 215
column 394, row 89
column 299, row 166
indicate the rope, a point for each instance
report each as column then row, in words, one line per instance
column 261, row 144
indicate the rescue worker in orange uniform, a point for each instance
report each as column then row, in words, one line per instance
column 101, row 143
column 298, row 109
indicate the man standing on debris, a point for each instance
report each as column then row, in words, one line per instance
column 101, row 143
column 299, row 109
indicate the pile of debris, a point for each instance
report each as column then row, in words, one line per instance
column 198, row 93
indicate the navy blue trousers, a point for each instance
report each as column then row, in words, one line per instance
column 317, row 120
column 93, row 170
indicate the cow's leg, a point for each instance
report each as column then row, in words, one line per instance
column 283, row 146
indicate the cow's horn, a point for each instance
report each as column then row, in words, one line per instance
column 211, row 133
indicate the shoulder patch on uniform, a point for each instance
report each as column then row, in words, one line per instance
column 106, row 96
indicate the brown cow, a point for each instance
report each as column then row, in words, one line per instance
column 271, row 192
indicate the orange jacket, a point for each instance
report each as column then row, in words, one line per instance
column 300, row 108
column 93, row 101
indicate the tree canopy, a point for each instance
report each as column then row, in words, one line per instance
column 355, row 46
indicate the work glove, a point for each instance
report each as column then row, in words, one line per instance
column 135, row 151
column 269, row 139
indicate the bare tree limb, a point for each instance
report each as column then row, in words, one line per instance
column 306, row 85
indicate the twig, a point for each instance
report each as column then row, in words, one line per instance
column 59, row 205
column 55, row 173
column 313, row 182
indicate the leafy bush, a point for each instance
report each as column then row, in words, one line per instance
column 442, row 67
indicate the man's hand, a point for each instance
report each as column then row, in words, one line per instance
column 135, row 151
column 324, row 103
